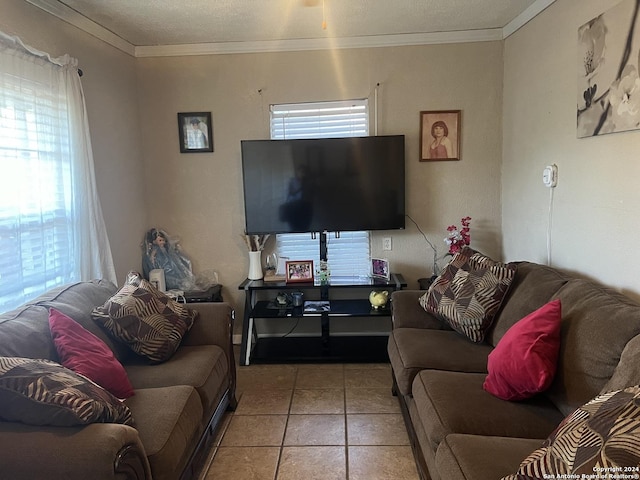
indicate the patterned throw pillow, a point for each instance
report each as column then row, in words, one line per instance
column 41, row 392
column 601, row 439
column 469, row 292
column 144, row 318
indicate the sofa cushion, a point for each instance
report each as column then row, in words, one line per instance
column 84, row 353
column 596, row 439
column 414, row 349
column 41, row 392
column 168, row 420
column 597, row 323
column 532, row 287
column 25, row 333
column 469, row 292
column 77, row 300
column 454, row 402
column 478, row 457
column 524, row 361
column 203, row 367
column 627, row 372
column 144, row 318
column 25, row 330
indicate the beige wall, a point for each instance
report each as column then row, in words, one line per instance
column 109, row 83
column 199, row 196
column 597, row 202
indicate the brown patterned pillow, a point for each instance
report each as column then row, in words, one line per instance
column 41, row 392
column 601, row 439
column 144, row 318
column 469, row 292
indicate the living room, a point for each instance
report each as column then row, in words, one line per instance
column 517, row 96
column 518, row 115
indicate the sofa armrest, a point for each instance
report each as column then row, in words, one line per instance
column 100, row 451
column 214, row 326
column 406, row 311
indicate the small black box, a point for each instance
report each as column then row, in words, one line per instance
column 212, row 294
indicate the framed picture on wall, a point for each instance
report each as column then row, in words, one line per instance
column 440, row 134
column 195, row 132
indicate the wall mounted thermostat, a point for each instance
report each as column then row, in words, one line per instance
column 550, row 176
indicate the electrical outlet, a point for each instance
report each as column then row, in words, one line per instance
column 386, row 243
column 550, row 176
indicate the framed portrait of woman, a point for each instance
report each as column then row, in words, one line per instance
column 440, row 133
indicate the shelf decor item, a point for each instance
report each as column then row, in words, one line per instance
column 299, row 271
column 378, row 298
column 255, row 244
column 323, row 273
column 380, row 268
column 255, row 265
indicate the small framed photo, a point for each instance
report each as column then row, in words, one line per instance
column 195, row 132
column 299, row 271
column 440, row 134
column 380, row 268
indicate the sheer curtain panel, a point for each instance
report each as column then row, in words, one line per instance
column 51, row 227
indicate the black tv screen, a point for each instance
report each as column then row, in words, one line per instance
column 329, row 184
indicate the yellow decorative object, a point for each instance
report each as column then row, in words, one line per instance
column 378, row 299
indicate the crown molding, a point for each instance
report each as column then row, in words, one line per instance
column 521, row 20
column 320, row 43
column 74, row 18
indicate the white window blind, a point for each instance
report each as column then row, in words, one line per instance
column 349, row 254
column 349, row 118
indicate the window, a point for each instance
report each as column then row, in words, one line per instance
column 46, row 196
column 349, row 254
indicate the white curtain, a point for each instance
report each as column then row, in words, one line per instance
column 52, row 230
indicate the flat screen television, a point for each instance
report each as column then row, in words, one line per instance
column 328, row 184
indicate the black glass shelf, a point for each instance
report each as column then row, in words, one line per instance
column 396, row 280
column 326, row 347
column 338, row 308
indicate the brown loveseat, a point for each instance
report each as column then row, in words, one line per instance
column 459, row 430
column 176, row 407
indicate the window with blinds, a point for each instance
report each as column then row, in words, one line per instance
column 36, row 217
column 349, row 253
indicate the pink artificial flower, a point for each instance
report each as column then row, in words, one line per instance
column 459, row 239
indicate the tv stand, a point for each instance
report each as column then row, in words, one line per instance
column 325, row 347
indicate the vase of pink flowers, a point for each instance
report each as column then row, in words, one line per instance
column 458, row 239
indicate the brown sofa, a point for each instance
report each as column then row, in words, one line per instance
column 176, row 408
column 458, row 430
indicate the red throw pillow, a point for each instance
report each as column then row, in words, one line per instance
column 524, row 361
column 84, row 353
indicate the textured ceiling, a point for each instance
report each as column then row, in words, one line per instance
column 171, row 22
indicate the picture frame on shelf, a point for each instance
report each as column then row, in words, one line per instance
column 440, row 134
column 380, row 268
column 195, row 132
column 299, row 271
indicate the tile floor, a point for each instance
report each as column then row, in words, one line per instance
column 313, row 422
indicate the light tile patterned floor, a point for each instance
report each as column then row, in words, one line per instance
column 313, row 422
